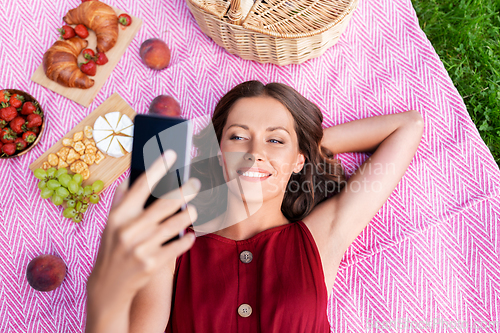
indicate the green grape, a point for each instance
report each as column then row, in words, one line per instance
column 73, row 186
column 87, row 190
column 53, row 184
column 98, row 186
column 64, row 179
column 78, row 206
column 94, row 198
column 77, row 218
column 71, row 203
column 42, row 184
column 78, row 178
column 40, row 174
column 51, row 172
column 61, row 171
column 69, row 213
column 62, row 192
column 57, row 200
column 84, row 208
column 80, row 192
column 46, row 193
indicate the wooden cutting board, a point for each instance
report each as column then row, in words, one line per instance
column 86, row 96
column 110, row 168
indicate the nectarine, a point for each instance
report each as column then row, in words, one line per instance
column 46, row 272
column 155, row 53
column 166, row 106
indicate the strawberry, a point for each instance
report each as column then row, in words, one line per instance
column 1, row 145
column 17, row 124
column 29, row 136
column 20, row 144
column 4, row 96
column 16, row 100
column 28, row 108
column 125, row 19
column 3, row 123
column 67, row 32
column 7, row 135
column 35, row 130
column 89, row 68
column 88, row 54
column 81, row 31
column 8, row 113
column 101, row 58
column 9, row 148
column 34, row 120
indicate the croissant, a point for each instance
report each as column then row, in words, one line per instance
column 99, row 17
column 60, row 63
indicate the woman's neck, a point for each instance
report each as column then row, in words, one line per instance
column 242, row 221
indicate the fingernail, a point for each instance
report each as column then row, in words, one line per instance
column 196, row 183
column 170, row 155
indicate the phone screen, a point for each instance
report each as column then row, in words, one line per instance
column 153, row 135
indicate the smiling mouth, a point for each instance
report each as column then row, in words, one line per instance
column 253, row 174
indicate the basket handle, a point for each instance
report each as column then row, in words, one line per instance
column 235, row 14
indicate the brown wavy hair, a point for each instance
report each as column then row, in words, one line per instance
column 324, row 169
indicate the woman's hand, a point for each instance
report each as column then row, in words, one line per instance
column 131, row 244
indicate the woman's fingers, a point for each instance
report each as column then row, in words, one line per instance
column 162, row 208
column 174, row 249
column 169, row 229
column 136, row 197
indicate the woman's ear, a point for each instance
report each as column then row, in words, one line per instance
column 299, row 164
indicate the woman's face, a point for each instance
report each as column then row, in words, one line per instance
column 260, row 147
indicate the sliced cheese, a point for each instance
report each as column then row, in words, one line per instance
column 125, row 142
column 128, row 131
column 123, row 123
column 103, row 145
column 101, row 135
column 114, row 149
column 113, row 118
column 102, row 124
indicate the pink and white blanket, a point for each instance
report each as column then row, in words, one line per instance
column 429, row 259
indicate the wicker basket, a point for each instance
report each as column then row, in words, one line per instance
column 281, row 32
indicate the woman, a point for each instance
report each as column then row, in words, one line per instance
column 297, row 234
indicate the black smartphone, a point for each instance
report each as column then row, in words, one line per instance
column 154, row 134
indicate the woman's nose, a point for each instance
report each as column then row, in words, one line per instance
column 256, row 151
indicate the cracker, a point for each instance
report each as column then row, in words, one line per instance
column 88, row 158
column 90, row 150
column 72, row 156
column 46, row 165
column 79, row 147
column 85, row 174
column 99, row 157
column 67, row 142
column 53, row 159
column 63, row 153
column 88, row 131
column 62, row 164
column 78, row 136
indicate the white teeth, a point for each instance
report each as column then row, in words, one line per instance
column 254, row 174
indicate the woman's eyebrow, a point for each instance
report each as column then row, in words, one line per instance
column 269, row 129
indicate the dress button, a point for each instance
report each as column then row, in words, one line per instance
column 246, row 256
column 244, row 310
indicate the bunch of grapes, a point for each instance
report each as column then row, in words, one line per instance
column 61, row 187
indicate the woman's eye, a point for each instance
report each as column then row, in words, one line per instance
column 277, row 141
column 234, row 136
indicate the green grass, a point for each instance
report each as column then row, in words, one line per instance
column 466, row 36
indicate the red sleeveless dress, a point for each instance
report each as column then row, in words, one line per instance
column 272, row 282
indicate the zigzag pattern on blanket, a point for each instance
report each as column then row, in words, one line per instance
column 437, row 225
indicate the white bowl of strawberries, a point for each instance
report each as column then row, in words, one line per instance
column 21, row 122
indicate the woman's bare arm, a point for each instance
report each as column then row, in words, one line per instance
column 363, row 135
column 150, row 309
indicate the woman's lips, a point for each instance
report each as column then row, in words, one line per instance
column 253, row 179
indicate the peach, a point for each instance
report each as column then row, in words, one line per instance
column 166, row 106
column 155, row 53
column 46, row 272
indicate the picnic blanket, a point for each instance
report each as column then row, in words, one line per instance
column 430, row 255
